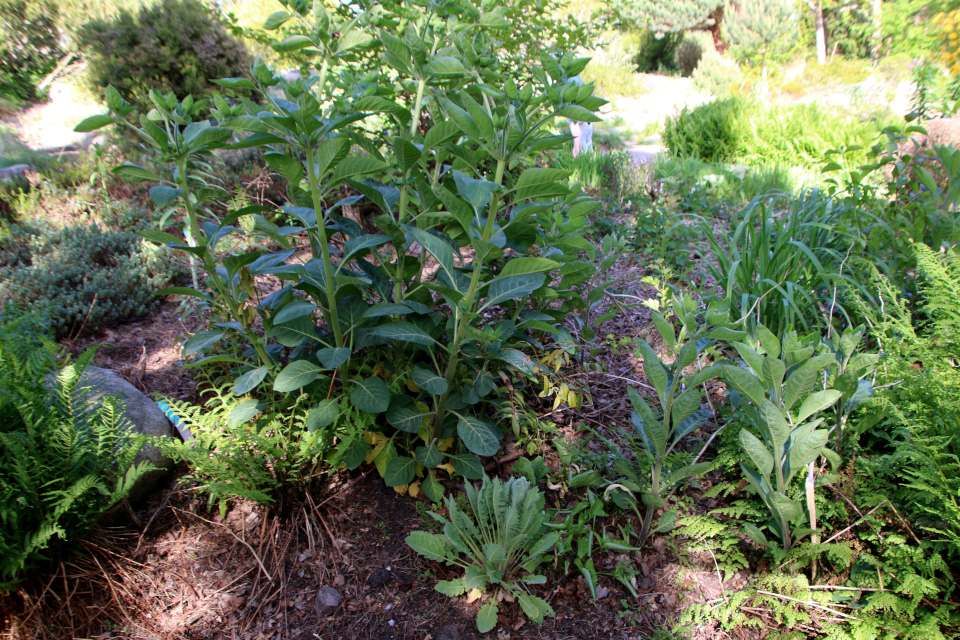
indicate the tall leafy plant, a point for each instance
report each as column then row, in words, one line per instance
column 775, row 394
column 463, row 221
column 677, row 394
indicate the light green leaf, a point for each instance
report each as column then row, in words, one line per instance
column 745, row 383
column 296, row 375
column 322, row 415
column 757, row 451
column 487, row 617
column 275, row 20
column 520, row 266
column 93, row 123
column 817, row 402
column 201, row 341
column 429, row 545
column 652, row 367
column 249, row 381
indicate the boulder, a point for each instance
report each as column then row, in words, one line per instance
column 145, row 417
column 920, row 148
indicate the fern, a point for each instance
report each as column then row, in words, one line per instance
column 64, row 461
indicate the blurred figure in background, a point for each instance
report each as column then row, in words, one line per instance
column 582, row 132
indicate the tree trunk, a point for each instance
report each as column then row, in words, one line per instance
column 877, row 30
column 714, row 29
column 817, row 7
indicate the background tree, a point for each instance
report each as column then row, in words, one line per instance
column 677, row 15
column 759, row 25
column 28, row 46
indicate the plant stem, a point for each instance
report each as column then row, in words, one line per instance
column 333, row 322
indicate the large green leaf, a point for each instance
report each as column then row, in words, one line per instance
column 289, row 168
column 294, row 333
column 541, row 183
column 370, row 395
column 783, row 507
column 294, row 310
column 439, row 249
column 322, row 415
column 201, row 341
column 405, row 419
column 333, row 357
column 355, row 166
column 405, row 332
column 478, row 436
column 776, row 425
column 757, row 451
column 513, row 287
column 817, row 402
column 296, row 375
column 429, row 456
column 249, row 381
column 431, row 382
column 652, row 367
column 93, row 123
column 520, row 266
column 745, row 383
column 400, row 471
column 467, row 465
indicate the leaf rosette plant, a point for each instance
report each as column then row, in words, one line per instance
column 499, row 544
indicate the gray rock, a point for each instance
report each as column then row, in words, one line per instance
column 14, row 171
column 328, row 599
column 144, row 416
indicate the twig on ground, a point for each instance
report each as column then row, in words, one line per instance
column 228, row 530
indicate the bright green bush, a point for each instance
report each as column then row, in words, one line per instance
column 173, row 46
column 84, row 274
column 688, row 55
column 709, row 132
column 740, row 130
column 28, row 46
column 62, row 465
column 657, row 53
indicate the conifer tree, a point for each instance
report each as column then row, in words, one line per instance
column 671, row 16
column 759, row 25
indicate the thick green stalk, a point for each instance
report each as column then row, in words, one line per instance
column 462, row 315
column 417, row 105
column 331, row 316
column 211, row 268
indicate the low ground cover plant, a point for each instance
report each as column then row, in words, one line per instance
column 63, row 462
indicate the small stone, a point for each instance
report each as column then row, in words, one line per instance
column 328, row 599
column 449, row 632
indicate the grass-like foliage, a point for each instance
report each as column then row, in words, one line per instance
column 784, row 259
column 64, row 461
column 502, row 537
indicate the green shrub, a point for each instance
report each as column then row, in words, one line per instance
column 709, row 132
column 62, row 465
column 87, row 276
column 740, row 130
column 689, row 54
column 657, row 53
column 716, row 75
column 428, row 351
column 28, row 46
column 174, row 46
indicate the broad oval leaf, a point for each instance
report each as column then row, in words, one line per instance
column 249, row 381
column 93, row 123
column 322, row 415
column 431, row 382
column 817, row 402
column 333, row 357
column 294, row 310
column 487, row 617
column 370, row 395
column 201, row 341
column 520, row 266
column 478, row 436
column 400, row 471
column 405, row 419
column 296, row 375
column 513, row 287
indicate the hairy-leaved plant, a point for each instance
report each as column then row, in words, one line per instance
column 499, row 544
column 774, row 393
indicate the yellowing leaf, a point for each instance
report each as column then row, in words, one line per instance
column 414, row 489
column 412, row 386
column 473, row 595
column 402, row 489
column 445, row 444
